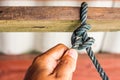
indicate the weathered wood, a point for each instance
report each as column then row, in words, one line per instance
column 56, row 26
column 62, row 19
column 56, row 13
column 12, row 67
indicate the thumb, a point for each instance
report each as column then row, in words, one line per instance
column 67, row 64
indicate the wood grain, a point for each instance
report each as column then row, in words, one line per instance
column 53, row 18
column 12, row 67
column 56, row 25
column 56, row 13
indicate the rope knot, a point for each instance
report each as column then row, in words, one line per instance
column 80, row 39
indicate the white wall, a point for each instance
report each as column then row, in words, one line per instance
column 111, row 42
column 97, row 3
column 20, row 42
column 47, row 40
column 16, row 42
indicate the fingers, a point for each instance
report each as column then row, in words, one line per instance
column 48, row 61
column 56, row 52
column 59, row 62
column 67, row 64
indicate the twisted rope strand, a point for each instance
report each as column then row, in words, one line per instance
column 80, row 40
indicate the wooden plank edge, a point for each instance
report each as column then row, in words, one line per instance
column 56, row 25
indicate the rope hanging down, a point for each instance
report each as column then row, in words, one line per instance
column 80, row 40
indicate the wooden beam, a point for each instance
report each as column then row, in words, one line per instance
column 53, row 18
column 56, row 26
column 56, row 13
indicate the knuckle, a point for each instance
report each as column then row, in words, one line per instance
column 66, row 61
column 61, row 45
column 69, row 61
column 39, row 59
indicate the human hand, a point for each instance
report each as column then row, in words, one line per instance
column 58, row 63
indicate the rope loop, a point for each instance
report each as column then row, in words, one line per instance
column 80, row 39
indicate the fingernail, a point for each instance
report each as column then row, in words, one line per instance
column 73, row 53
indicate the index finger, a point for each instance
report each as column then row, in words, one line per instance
column 48, row 60
column 56, row 52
